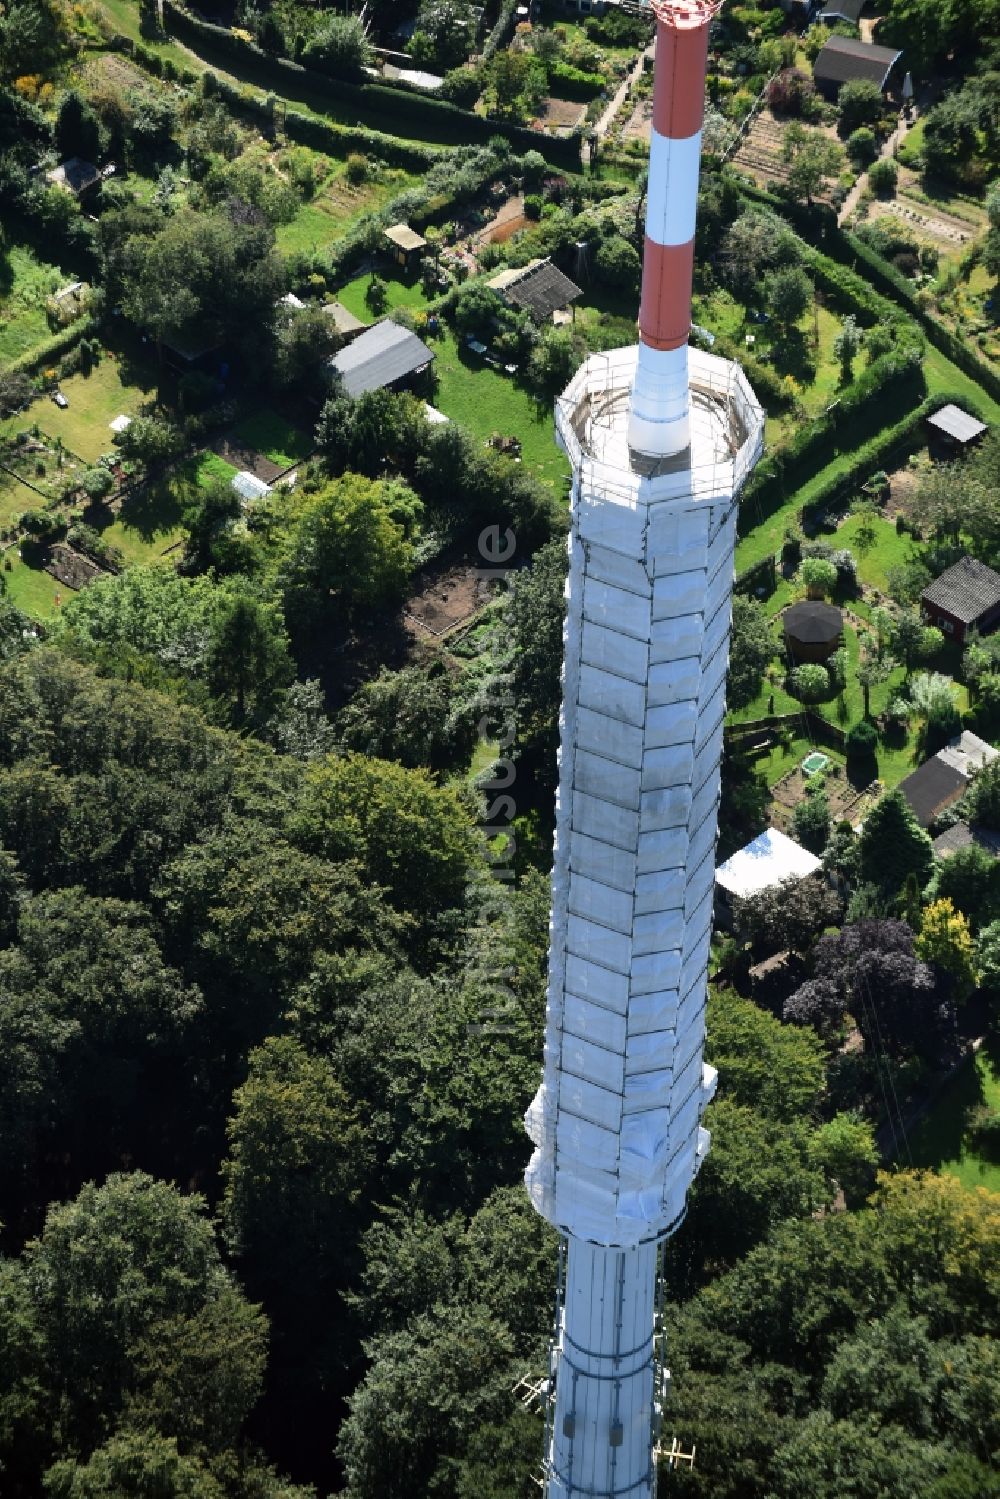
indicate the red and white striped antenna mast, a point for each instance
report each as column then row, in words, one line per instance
column 659, row 417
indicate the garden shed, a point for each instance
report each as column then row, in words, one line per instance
column 965, row 597
column 384, row 357
column 771, row 859
column 842, row 10
column 74, row 176
column 406, row 246
column 538, row 287
column 945, row 777
column 955, row 430
column 845, row 60
column 813, row 630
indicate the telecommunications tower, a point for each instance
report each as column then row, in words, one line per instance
column 661, row 439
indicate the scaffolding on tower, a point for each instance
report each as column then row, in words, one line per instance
column 661, row 438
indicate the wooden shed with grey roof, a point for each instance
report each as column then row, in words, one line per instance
column 965, row 597
column 539, row 287
column 844, row 59
column 955, row 430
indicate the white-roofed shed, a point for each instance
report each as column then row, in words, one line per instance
column 769, row 860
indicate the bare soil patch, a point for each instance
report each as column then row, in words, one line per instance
column 903, row 484
column 240, row 456
column 761, row 153
column 561, row 116
column 72, row 568
column 846, row 800
column 926, row 223
column 508, row 219
column 442, row 600
column 639, row 126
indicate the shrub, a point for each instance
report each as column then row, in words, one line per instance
column 861, row 146
column 811, row 821
column 984, row 1131
column 809, row 682
column 357, row 169
column 338, row 45
column 96, row 483
column 819, row 575
column 462, row 87
column 861, row 741
column 882, row 177
column 859, row 103
column 791, row 549
column 789, row 92
column 533, row 206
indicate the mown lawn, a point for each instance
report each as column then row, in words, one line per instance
column 942, row 1139
column 486, row 401
column 890, row 549
column 274, row 437
column 94, row 401
column 14, row 499
column 208, row 467
column 25, row 282
column 147, row 525
column 400, row 292
column 336, row 207
column 33, row 591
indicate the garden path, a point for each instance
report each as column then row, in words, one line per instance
column 888, row 150
column 607, row 119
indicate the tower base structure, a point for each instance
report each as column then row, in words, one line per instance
column 617, row 1120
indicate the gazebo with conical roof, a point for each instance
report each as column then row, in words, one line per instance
column 813, row 630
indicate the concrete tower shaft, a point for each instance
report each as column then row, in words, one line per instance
column 661, row 440
column 659, row 419
column 617, row 1120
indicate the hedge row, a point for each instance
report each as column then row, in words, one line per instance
column 45, row 354
column 862, row 403
column 896, row 284
column 502, row 31
column 884, row 276
column 874, row 454
column 574, row 83
column 412, row 108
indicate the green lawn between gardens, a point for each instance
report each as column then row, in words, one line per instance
column 336, row 207
column 269, row 433
column 33, row 591
column 148, row 525
column 895, row 760
column 400, row 292
column 94, row 401
column 487, row 401
column 942, row 1141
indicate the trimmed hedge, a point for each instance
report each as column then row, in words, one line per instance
column 891, row 282
column 816, row 445
column 874, row 453
column 896, row 284
column 411, row 107
column 53, row 348
column 567, row 82
column 502, row 31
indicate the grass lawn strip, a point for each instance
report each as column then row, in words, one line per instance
column 275, row 438
column 32, row 590
column 485, row 401
column 23, row 321
column 94, row 401
column 942, row 1141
